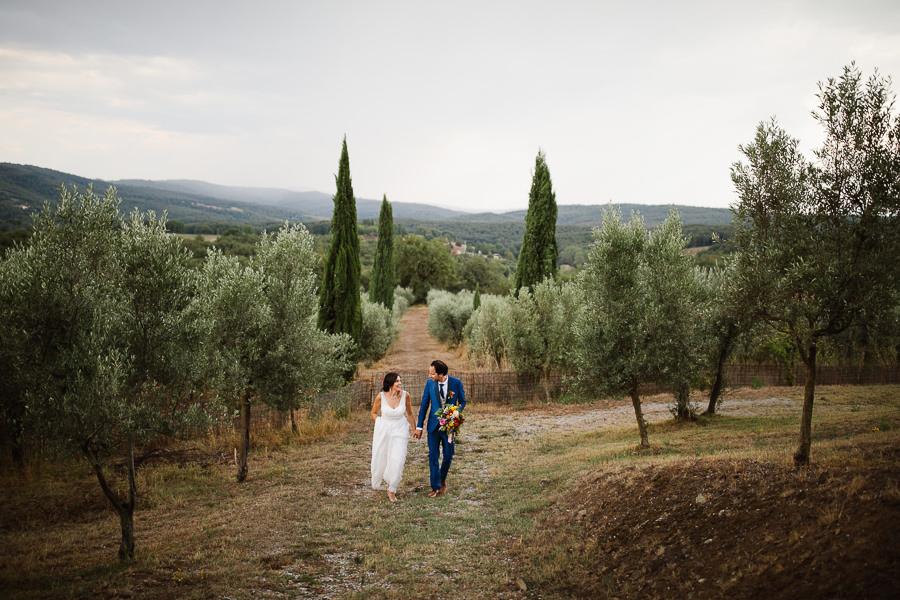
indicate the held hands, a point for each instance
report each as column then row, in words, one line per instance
column 418, row 434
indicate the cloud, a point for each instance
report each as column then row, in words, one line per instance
column 441, row 103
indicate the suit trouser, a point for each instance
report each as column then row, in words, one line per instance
column 437, row 441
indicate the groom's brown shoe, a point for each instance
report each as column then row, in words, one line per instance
column 443, row 489
column 434, row 493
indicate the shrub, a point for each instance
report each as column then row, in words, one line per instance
column 406, row 294
column 402, row 299
column 448, row 314
column 378, row 330
column 484, row 331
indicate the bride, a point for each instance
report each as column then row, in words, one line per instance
column 391, row 434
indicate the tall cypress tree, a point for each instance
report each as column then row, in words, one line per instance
column 381, row 286
column 539, row 254
column 340, row 306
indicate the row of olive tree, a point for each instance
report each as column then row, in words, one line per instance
column 640, row 313
column 818, row 256
column 108, row 338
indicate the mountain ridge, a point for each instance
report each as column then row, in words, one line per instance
column 25, row 188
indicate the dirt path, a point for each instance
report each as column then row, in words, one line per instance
column 414, row 349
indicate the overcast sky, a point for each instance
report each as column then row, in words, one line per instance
column 445, row 103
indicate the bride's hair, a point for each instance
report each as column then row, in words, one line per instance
column 388, row 382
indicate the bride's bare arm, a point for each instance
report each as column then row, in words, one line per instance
column 409, row 412
column 376, row 406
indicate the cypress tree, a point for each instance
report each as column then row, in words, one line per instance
column 340, row 305
column 383, row 282
column 476, row 300
column 539, row 254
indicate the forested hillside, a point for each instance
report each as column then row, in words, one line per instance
column 25, row 188
column 506, row 237
column 592, row 215
column 195, row 207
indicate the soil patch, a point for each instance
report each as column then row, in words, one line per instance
column 718, row 528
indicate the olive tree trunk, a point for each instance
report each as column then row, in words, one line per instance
column 801, row 456
column 244, row 446
column 124, row 508
column 639, row 415
column 721, row 357
column 683, row 410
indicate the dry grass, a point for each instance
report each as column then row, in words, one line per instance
column 307, row 525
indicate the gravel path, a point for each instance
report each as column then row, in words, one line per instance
column 530, row 423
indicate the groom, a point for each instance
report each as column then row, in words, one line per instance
column 439, row 391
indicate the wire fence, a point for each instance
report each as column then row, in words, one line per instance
column 742, row 375
column 513, row 389
column 354, row 395
column 499, row 387
column 508, row 387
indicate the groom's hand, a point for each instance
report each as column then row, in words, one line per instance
column 418, row 434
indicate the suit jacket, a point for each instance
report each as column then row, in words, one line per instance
column 431, row 404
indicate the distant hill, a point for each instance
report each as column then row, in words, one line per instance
column 592, row 215
column 24, row 189
column 317, row 205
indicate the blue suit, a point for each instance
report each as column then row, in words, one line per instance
column 437, row 439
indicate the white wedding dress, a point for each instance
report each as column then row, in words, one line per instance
column 389, row 441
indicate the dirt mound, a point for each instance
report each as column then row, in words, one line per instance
column 727, row 528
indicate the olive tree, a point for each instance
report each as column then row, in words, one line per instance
column 484, row 332
column 819, row 241
column 727, row 325
column 302, row 360
column 679, row 308
column 448, row 314
column 263, row 343
column 378, row 330
column 537, row 329
column 616, row 349
column 103, row 334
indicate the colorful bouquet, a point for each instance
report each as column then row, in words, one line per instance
column 451, row 418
